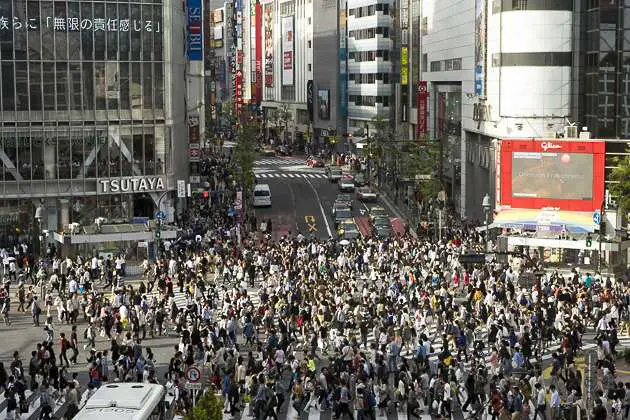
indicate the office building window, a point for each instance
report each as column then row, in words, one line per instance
column 436, row 66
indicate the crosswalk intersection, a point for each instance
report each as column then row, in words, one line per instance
column 276, row 161
column 284, row 175
column 288, row 412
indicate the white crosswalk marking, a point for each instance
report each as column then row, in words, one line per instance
column 284, row 175
column 280, row 161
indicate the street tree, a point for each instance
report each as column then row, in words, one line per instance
column 244, row 153
column 209, row 407
column 280, row 119
column 620, row 187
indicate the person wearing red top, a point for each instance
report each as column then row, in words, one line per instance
column 64, row 345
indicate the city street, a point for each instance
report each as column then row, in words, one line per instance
column 303, row 197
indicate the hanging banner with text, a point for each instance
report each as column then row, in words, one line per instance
column 268, row 23
column 259, row 54
column 194, row 32
column 288, row 55
column 422, row 96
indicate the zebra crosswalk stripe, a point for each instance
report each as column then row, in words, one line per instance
column 290, row 175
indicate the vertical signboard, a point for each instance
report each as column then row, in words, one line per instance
column 309, row 99
column 237, row 57
column 421, row 104
column 480, row 46
column 404, row 60
column 259, row 54
column 268, row 23
column 194, row 32
column 343, row 52
column 288, row 56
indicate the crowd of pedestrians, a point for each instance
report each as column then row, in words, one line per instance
column 300, row 324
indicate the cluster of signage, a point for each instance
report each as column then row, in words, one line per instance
column 77, row 24
column 236, row 59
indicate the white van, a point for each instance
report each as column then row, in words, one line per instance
column 262, row 195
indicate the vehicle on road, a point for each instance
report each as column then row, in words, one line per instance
column 333, row 174
column 348, row 230
column 360, row 180
column 339, row 206
column 345, row 199
column 262, row 195
column 283, row 150
column 128, row 401
column 315, row 162
column 342, row 215
column 346, row 183
column 378, row 211
column 366, row 194
column 381, row 222
column 382, row 232
column 268, row 150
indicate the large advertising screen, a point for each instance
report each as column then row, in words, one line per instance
column 568, row 175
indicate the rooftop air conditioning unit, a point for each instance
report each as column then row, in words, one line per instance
column 570, row 132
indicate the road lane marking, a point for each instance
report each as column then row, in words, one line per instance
column 310, row 221
column 321, row 208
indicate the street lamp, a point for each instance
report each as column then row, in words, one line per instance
column 487, row 206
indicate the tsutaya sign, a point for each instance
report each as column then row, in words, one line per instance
column 131, row 184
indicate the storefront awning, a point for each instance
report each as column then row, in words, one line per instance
column 551, row 220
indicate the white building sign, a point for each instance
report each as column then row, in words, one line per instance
column 132, row 184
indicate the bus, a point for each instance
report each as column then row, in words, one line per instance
column 128, row 401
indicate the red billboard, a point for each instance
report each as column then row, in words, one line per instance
column 422, row 96
column 259, row 54
column 565, row 174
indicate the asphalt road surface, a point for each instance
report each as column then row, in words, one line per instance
column 302, row 198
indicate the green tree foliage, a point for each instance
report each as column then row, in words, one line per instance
column 209, row 407
column 620, row 187
column 244, row 153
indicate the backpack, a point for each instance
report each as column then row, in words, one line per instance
column 370, row 400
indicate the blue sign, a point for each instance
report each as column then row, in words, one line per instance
column 194, row 31
column 597, row 217
column 479, row 80
column 160, row 215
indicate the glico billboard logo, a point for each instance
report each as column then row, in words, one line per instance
column 547, row 145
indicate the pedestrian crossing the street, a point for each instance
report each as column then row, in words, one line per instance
column 279, row 161
column 284, row 175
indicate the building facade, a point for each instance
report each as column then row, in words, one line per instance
column 90, row 114
column 287, row 68
column 370, row 62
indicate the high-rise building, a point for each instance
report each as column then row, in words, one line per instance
column 370, row 57
column 91, row 110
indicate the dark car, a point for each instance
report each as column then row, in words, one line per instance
column 342, row 215
column 381, row 222
column 283, row 151
column 345, row 199
column 382, row 232
column 360, row 180
column 348, row 230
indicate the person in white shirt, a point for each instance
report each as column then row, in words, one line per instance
column 446, row 399
column 541, row 402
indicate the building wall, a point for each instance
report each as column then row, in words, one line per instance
column 370, row 30
column 88, row 93
column 292, row 93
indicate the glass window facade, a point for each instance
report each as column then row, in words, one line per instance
column 81, row 90
column 605, row 105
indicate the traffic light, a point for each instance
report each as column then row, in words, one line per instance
column 158, row 234
column 589, row 241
